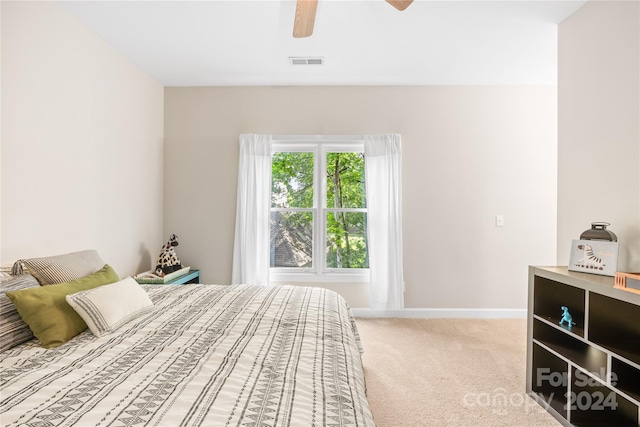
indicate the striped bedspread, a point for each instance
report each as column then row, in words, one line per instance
column 207, row 355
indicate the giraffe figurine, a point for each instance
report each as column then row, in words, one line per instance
column 168, row 261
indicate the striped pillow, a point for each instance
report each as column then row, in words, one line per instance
column 109, row 307
column 44, row 308
column 64, row 268
column 13, row 330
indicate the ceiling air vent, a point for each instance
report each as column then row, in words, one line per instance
column 300, row 60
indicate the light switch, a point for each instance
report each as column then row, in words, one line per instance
column 499, row 220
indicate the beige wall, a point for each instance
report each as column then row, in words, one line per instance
column 599, row 126
column 470, row 153
column 82, row 143
column 0, row 130
column 82, row 164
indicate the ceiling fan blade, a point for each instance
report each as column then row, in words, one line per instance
column 305, row 18
column 400, row 4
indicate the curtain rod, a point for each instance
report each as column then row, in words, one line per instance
column 305, row 138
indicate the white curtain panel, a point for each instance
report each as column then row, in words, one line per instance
column 383, row 168
column 251, row 244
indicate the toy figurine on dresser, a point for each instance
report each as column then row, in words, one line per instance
column 566, row 317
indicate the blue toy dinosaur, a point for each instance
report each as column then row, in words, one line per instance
column 566, row 317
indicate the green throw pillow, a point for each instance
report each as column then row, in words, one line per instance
column 46, row 311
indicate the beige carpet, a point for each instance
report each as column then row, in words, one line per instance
column 448, row 372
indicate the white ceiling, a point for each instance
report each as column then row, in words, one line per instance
column 365, row 42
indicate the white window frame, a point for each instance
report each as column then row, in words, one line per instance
column 320, row 145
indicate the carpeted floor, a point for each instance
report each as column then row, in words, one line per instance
column 448, row 372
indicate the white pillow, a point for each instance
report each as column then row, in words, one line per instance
column 108, row 307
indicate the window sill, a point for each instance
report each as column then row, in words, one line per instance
column 301, row 277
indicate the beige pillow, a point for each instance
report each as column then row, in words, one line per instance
column 63, row 268
column 109, row 307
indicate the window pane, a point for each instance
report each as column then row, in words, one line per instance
column 291, row 239
column 345, row 180
column 292, row 180
column 347, row 240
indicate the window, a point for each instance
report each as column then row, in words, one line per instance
column 318, row 218
column 309, row 226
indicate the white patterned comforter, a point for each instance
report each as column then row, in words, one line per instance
column 206, row 356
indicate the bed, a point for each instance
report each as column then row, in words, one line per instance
column 204, row 355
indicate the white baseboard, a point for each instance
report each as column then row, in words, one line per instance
column 444, row 313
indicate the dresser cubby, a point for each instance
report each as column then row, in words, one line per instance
column 550, row 296
column 587, row 374
column 551, row 390
column 597, row 404
column 627, row 378
column 578, row 351
column 615, row 326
